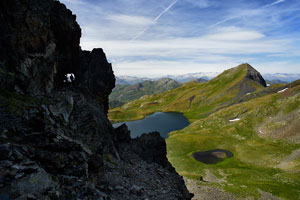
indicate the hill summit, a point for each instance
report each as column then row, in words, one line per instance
column 249, row 130
column 197, row 100
column 248, row 71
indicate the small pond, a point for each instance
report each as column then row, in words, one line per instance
column 163, row 122
column 212, row 156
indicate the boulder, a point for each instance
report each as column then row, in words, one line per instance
column 152, row 147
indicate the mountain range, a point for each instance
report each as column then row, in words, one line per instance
column 122, row 94
column 234, row 112
column 277, row 77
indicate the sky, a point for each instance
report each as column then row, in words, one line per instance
column 152, row 38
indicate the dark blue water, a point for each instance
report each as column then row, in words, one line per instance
column 163, row 122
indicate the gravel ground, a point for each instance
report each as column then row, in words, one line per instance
column 210, row 192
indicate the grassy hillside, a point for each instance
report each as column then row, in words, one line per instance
column 195, row 100
column 265, row 143
column 122, row 94
column 259, row 125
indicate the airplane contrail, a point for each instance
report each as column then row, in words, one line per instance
column 274, row 3
column 221, row 22
column 230, row 18
column 156, row 19
column 165, row 10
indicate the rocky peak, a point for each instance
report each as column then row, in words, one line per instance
column 254, row 75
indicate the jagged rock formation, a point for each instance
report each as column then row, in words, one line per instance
column 254, row 75
column 39, row 45
column 55, row 139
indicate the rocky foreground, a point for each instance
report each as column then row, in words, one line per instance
column 55, row 139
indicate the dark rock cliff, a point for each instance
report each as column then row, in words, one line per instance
column 254, row 75
column 55, row 139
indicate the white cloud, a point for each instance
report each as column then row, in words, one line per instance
column 277, row 67
column 238, row 42
column 236, row 35
column 160, row 68
column 178, row 40
column 131, row 20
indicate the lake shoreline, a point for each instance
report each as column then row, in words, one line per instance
column 163, row 122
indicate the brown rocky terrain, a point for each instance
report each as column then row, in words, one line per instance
column 55, row 139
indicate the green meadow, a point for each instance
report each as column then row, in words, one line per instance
column 260, row 126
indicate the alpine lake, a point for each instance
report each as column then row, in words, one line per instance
column 162, row 122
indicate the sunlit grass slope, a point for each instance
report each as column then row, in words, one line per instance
column 260, row 126
column 195, row 100
column 264, row 159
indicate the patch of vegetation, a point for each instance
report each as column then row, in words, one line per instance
column 207, row 97
column 256, row 160
column 16, row 103
column 263, row 137
column 109, row 158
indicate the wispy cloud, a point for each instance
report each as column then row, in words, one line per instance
column 246, row 12
column 141, row 38
column 235, row 34
column 199, row 3
column 131, row 20
column 224, row 45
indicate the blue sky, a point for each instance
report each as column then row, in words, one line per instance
column 159, row 37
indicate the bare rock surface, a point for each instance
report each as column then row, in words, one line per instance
column 203, row 190
column 207, row 191
column 254, row 75
column 56, row 141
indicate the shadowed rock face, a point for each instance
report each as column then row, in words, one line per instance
column 246, row 85
column 39, row 45
column 254, row 75
column 99, row 80
column 55, row 139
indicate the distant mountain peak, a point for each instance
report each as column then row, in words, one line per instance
column 254, row 75
column 250, row 73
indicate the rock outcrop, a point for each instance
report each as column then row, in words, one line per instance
column 254, row 75
column 55, row 139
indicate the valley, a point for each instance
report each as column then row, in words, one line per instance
column 234, row 112
column 124, row 93
column 72, row 72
